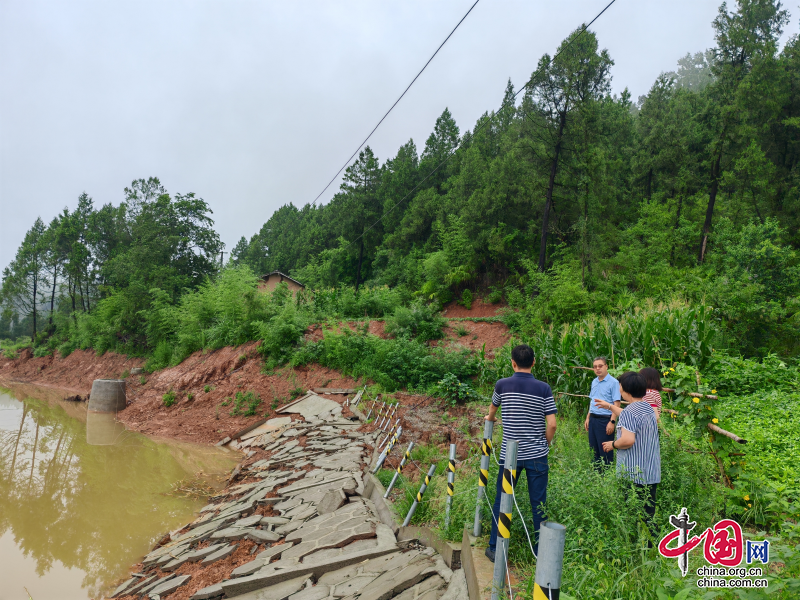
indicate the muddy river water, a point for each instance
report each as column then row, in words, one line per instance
column 83, row 499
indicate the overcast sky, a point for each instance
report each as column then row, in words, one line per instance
column 254, row 104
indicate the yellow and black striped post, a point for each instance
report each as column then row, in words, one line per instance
column 420, row 493
column 504, row 519
column 451, row 480
column 486, row 451
column 403, row 461
column 387, row 450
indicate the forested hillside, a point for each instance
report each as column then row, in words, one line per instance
column 567, row 200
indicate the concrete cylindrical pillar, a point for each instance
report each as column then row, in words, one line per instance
column 108, row 395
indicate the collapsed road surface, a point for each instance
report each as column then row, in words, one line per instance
column 297, row 526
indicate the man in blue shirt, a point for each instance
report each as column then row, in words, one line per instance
column 600, row 423
column 529, row 417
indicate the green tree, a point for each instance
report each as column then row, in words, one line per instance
column 24, row 278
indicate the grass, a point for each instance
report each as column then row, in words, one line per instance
column 606, row 555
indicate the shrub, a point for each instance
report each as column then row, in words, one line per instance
column 207, row 388
column 168, row 399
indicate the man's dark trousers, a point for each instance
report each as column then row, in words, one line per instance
column 536, row 472
column 598, row 435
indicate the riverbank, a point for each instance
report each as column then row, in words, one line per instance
column 296, row 521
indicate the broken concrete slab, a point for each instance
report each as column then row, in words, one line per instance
column 332, row 500
column 274, row 551
column 280, row 591
column 270, row 576
column 170, row 586
column 311, row 406
column 212, row 591
column 318, row 592
column 429, row 589
column 220, row 554
column 198, row 555
column 262, row 535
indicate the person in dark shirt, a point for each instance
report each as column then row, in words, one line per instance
column 529, row 417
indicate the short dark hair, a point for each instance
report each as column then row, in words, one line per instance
column 633, row 384
column 603, row 358
column 652, row 378
column 523, row 355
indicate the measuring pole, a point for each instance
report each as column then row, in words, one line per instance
column 504, row 519
column 550, row 560
column 451, row 479
column 388, row 449
column 420, row 493
column 405, row 459
column 486, row 450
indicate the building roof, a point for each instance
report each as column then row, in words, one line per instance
column 282, row 276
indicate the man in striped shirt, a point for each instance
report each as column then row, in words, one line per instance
column 529, row 417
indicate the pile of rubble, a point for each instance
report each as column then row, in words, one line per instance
column 302, row 509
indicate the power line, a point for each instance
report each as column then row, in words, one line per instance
column 395, row 103
column 479, row 127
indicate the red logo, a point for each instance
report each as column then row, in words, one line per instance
column 723, row 545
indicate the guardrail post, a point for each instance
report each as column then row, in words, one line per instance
column 420, row 493
column 486, row 450
column 550, row 561
column 504, row 519
column 372, row 408
column 388, row 449
column 451, row 479
column 388, row 435
column 405, row 459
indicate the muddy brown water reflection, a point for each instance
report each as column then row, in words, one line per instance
column 81, row 501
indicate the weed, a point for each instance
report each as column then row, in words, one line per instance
column 275, row 403
column 142, row 379
column 189, row 396
column 461, row 330
column 296, row 392
column 207, row 388
column 125, row 374
column 168, row 399
column 226, row 402
column 216, row 413
column 245, row 404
